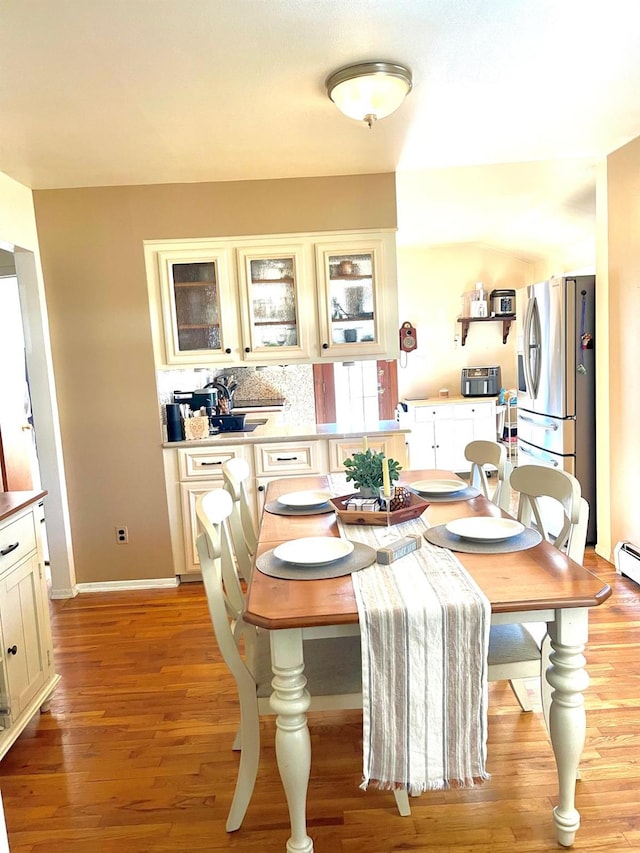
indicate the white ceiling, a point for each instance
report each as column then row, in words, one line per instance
column 514, row 102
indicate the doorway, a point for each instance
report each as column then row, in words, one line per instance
column 38, row 374
column 19, row 469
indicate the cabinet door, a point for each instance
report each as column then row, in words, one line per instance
column 22, row 630
column 198, row 306
column 393, row 447
column 274, row 313
column 353, row 311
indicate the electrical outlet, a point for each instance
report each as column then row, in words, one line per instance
column 122, row 535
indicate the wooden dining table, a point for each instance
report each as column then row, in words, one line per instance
column 540, row 584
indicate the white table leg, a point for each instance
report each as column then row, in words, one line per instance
column 290, row 701
column 567, row 723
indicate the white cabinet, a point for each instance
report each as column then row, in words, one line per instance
column 393, row 447
column 190, row 472
column 286, row 459
column 441, row 431
column 27, row 677
column 292, row 298
column 357, row 297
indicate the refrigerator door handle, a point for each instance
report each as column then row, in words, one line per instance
column 541, row 425
column 527, row 451
column 530, row 351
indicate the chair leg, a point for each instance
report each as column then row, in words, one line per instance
column 237, row 743
column 249, row 736
column 520, row 691
column 402, row 802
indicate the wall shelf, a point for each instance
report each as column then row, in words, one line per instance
column 506, row 325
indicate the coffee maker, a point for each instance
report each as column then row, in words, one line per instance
column 207, row 398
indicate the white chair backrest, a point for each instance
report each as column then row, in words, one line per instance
column 481, row 453
column 222, row 585
column 236, row 472
column 535, row 482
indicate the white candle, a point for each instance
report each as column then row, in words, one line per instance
column 386, row 483
column 365, row 444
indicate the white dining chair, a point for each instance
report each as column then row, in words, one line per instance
column 517, row 652
column 332, row 665
column 481, row 453
column 236, row 472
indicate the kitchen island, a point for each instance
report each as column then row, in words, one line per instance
column 272, row 450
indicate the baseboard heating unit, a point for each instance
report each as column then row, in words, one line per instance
column 627, row 560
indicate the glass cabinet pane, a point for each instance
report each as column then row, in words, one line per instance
column 272, row 302
column 351, row 292
column 197, row 305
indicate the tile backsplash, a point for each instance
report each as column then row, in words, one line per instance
column 293, row 382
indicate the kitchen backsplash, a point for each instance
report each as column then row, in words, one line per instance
column 292, row 382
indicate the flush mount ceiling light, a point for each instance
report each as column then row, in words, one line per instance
column 370, row 90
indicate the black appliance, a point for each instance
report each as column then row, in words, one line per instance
column 480, row 381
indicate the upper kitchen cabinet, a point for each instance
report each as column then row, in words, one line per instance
column 275, row 307
column 283, row 299
column 198, row 305
column 357, row 296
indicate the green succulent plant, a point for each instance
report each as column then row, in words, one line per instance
column 365, row 470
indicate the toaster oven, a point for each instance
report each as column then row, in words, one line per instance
column 480, row 381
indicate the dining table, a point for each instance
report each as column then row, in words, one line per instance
column 537, row 584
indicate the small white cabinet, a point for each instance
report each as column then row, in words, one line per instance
column 440, row 431
column 27, row 676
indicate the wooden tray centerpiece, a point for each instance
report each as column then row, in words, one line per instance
column 350, row 516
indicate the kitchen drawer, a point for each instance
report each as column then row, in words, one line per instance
column 424, row 414
column 17, row 539
column 205, row 463
column 393, row 447
column 474, row 410
column 299, row 457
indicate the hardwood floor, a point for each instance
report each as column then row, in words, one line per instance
column 135, row 754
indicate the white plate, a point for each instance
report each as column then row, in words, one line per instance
column 438, row 487
column 485, row 528
column 313, row 550
column 304, row 498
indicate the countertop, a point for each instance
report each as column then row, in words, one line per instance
column 273, row 431
column 458, row 398
column 12, row 502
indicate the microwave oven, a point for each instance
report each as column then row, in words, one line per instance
column 480, row 381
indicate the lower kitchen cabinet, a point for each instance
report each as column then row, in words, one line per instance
column 189, row 473
column 441, row 431
column 27, row 677
column 192, row 471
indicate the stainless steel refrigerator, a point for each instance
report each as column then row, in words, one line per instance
column 556, row 379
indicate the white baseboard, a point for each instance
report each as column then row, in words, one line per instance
column 116, row 586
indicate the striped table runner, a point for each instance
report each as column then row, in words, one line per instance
column 425, row 634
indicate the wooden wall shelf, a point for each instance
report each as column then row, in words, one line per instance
column 506, row 325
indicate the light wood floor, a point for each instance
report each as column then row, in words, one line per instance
column 135, row 755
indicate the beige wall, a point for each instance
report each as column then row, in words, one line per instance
column 92, row 256
column 623, row 403
column 430, row 284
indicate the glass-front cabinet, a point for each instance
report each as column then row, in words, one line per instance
column 198, row 307
column 274, row 316
column 273, row 298
column 351, row 312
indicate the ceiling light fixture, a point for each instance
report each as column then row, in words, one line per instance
column 370, row 90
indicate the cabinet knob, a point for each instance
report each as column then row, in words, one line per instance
column 228, row 350
column 325, row 346
column 247, row 349
column 261, row 488
column 12, row 650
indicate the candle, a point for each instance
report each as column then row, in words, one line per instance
column 365, row 444
column 386, row 483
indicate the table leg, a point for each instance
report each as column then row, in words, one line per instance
column 567, row 723
column 290, row 701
